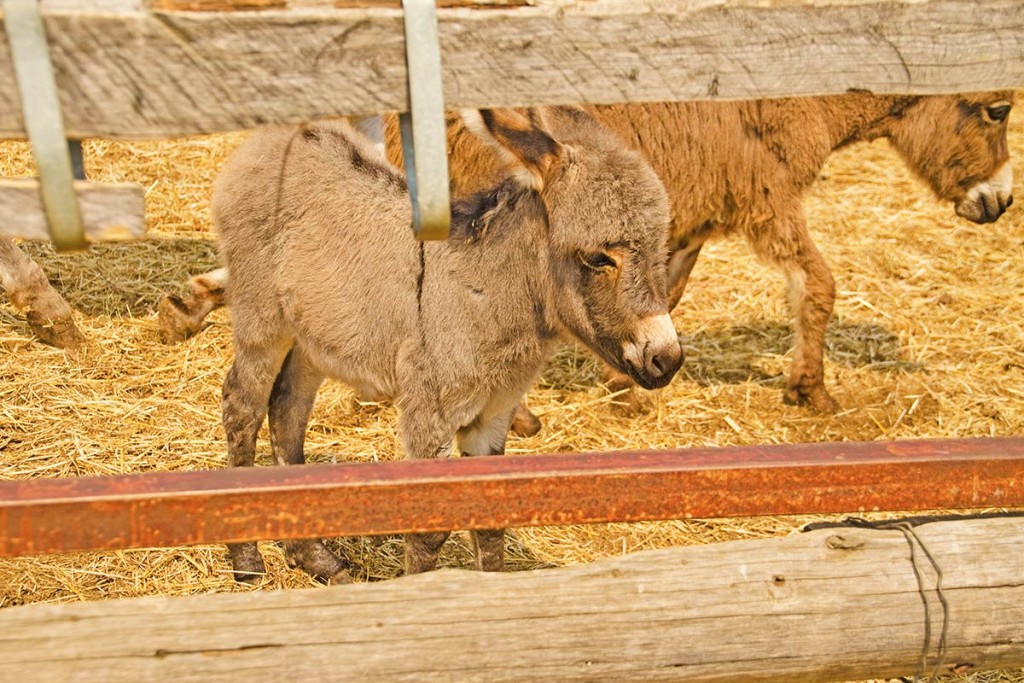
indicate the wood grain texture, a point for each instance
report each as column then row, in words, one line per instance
column 835, row 604
column 236, row 5
column 127, row 71
column 214, row 5
column 111, row 212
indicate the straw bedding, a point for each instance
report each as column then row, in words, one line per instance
column 926, row 341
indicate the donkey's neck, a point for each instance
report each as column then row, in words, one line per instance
column 863, row 116
column 500, row 236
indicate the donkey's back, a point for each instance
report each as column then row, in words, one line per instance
column 311, row 219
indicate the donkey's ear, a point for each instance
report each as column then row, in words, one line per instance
column 520, row 140
column 562, row 119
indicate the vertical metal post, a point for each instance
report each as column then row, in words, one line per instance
column 40, row 107
column 424, row 140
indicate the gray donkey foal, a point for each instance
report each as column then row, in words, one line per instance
column 327, row 281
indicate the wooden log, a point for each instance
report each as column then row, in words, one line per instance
column 834, row 604
column 215, row 5
column 124, row 70
column 110, row 211
column 236, row 5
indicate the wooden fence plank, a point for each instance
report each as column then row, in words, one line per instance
column 836, row 604
column 127, row 71
column 179, row 508
column 238, row 5
column 110, row 211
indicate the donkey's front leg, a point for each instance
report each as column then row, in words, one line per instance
column 422, row 551
column 524, row 423
column 812, row 294
column 424, row 434
column 487, row 437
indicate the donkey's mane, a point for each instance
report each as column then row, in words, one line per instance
column 475, row 215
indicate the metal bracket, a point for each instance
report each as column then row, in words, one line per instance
column 424, row 139
column 40, row 108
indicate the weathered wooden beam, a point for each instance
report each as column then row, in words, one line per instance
column 125, row 70
column 829, row 605
column 180, row 508
column 215, row 5
column 110, row 211
column 237, row 5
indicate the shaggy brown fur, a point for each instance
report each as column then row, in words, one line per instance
column 327, row 280
column 742, row 168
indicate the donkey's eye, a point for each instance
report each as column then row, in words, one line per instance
column 598, row 260
column 997, row 113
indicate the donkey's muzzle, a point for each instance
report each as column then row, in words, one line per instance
column 985, row 209
column 656, row 355
column 988, row 200
column 660, row 366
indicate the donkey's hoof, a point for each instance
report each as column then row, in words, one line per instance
column 421, row 551
column 628, row 402
column 816, row 398
column 489, row 549
column 59, row 332
column 246, row 563
column 616, row 381
column 316, row 559
column 341, row 578
column 631, row 403
column 524, row 423
column 175, row 320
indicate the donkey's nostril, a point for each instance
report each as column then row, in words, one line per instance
column 656, row 355
column 1009, row 201
column 661, row 363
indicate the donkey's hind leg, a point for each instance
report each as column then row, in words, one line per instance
column 525, row 423
column 180, row 318
column 243, row 407
column 291, row 402
column 47, row 313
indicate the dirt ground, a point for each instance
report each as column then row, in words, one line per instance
column 927, row 341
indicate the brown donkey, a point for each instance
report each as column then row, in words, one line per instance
column 327, row 281
column 742, row 168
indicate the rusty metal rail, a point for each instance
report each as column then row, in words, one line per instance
column 181, row 508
